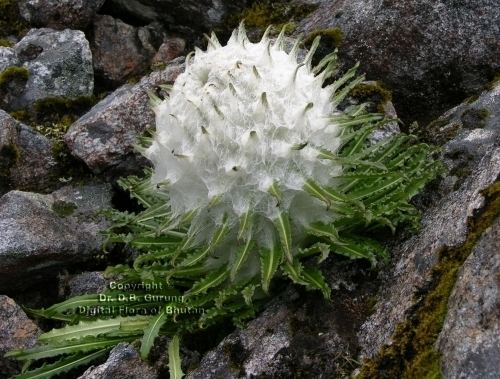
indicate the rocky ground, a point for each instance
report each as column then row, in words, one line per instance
column 74, row 77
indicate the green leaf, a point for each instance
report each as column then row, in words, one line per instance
column 84, row 346
column 270, row 259
column 283, row 225
column 150, row 334
column 94, row 328
column 240, row 257
column 212, row 280
column 316, row 280
column 62, row 366
column 294, row 272
column 174, row 359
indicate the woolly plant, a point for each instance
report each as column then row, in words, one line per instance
column 260, row 171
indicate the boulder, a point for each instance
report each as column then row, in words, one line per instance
column 75, row 14
column 170, row 49
column 17, row 331
column 58, row 64
column 85, row 283
column 124, row 363
column 8, row 58
column 26, row 160
column 121, row 51
column 43, row 234
column 198, row 15
column 431, row 54
column 469, row 342
column 473, row 160
column 104, row 138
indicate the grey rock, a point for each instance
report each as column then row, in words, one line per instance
column 59, row 65
column 445, row 224
column 124, row 363
column 199, row 15
column 84, row 283
column 104, row 137
column 8, row 58
column 43, row 234
column 26, row 160
column 170, row 49
column 469, row 342
column 432, row 54
column 297, row 335
column 17, row 331
column 74, row 14
column 121, row 51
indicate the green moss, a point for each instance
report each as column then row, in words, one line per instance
column 11, row 22
column 332, row 38
column 373, row 92
column 64, row 208
column 55, row 108
column 13, row 74
column 496, row 80
column 263, row 13
column 412, row 353
column 4, row 42
column 9, row 155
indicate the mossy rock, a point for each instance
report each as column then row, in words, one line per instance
column 280, row 14
column 412, row 353
column 13, row 74
column 11, row 22
column 372, row 92
column 64, row 208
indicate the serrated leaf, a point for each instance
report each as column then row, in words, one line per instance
column 248, row 293
column 316, row 280
column 64, row 365
column 151, row 332
column 240, row 257
column 294, row 271
column 212, row 280
column 93, row 328
column 174, row 359
column 48, row 351
column 270, row 259
column 283, row 225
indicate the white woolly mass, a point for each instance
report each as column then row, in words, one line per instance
column 241, row 118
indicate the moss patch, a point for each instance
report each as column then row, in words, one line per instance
column 330, row 38
column 263, row 13
column 4, row 42
column 412, row 353
column 11, row 22
column 64, row 208
column 12, row 75
column 9, row 155
column 372, row 92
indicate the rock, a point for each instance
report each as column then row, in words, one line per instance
column 104, row 137
column 17, row 331
column 42, row 234
column 299, row 334
column 74, row 14
column 431, row 54
column 84, row 283
column 121, row 51
column 469, row 342
column 26, row 160
column 444, row 225
column 59, row 64
column 198, row 15
column 124, row 363
column 8, row 58
column 169, row 50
